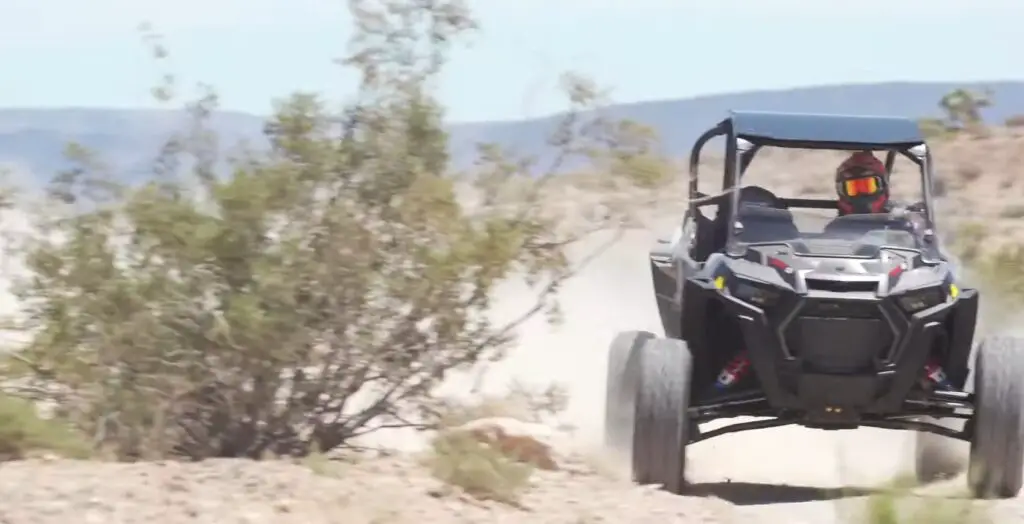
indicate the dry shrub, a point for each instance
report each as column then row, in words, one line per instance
column 24, row 434
column 460, row 460
column 1015, row 121
column 494, row 467
column 896, row 503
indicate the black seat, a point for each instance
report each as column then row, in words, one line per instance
column 765, row 224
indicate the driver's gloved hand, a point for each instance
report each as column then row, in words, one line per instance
column 898, row 211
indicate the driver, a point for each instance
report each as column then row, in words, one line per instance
column 862, row 185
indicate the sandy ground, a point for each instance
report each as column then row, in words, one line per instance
column 770, row 476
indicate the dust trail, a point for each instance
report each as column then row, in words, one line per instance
column 613, row 293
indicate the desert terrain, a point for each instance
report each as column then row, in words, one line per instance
column 788, row 475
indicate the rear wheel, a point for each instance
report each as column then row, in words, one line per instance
column 661, row 423
column 997, row 455
column 620, row 388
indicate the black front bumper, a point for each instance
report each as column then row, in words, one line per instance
column 843, row 367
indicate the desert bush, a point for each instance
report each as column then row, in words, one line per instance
column 905, row 508
column 497, row 469
column 24, row 433
column 896, row 503
column 1015, row 121
column 323, row 287
column 480, row 470
column 962, row 107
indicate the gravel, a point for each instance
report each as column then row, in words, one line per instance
column 381, row 491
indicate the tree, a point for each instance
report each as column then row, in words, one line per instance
column 963, row 107
column 320, row 290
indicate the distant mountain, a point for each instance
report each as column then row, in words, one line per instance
column 32, row 140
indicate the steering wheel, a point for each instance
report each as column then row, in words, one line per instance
column 759, row 196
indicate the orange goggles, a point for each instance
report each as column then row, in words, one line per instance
column 864, row 186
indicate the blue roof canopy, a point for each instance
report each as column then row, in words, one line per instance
column 810, row 130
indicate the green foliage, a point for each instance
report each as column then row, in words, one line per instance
column 902, row 507
column 962, row 110
column 23, row 433
column 895, row 508
column 963, row 106
column 479, row 469
column 324, row 287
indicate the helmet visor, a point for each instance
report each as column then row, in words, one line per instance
column 861, row 186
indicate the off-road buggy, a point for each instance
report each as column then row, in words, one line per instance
column 833, row 323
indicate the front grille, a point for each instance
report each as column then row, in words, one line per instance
column 839, row 336
column 827, row 308
column 842, row 286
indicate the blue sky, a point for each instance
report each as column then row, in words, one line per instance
column 78, row 53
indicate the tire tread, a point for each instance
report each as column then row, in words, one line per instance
column 661, row 423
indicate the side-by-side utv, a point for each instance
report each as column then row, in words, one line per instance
column 790, row 312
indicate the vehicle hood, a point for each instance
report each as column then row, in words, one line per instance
column 895, row 270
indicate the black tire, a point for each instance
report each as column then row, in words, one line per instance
column 936, row 457
column 662, row 429
column 997, row 456
column 620, row 388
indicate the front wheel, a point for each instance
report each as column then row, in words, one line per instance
column 662, row 426
column 620, row 388
column 997, row 455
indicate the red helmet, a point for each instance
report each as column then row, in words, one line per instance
column 862, row 184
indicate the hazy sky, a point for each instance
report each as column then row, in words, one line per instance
column 88, row 53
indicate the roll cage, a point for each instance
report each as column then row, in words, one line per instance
column 747, row 132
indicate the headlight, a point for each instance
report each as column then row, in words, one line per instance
column 921, row 299
column 757, row 294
